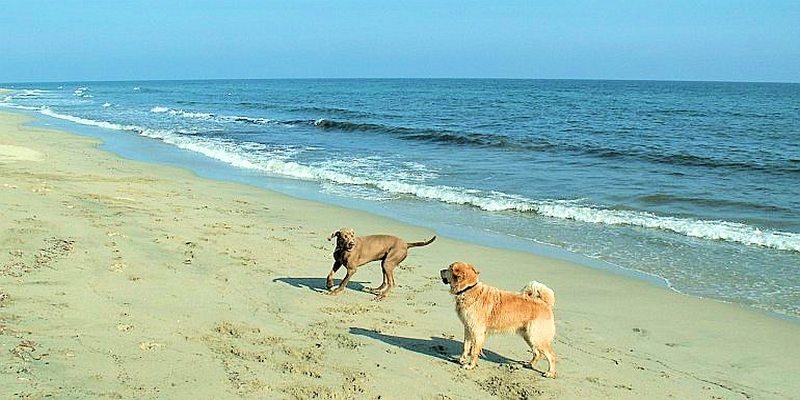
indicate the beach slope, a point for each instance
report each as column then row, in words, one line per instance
column 127, row 280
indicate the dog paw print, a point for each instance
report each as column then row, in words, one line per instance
column 188, row 253
column 640, row 331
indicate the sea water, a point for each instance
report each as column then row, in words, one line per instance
column 694, row 183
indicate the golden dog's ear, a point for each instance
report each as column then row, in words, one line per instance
column 459, row 268
column 475, row 270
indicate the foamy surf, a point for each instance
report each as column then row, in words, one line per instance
column 232, row 154
column 209, row 116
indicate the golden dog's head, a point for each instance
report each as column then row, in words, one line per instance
column 459, row 275
column 345, row 238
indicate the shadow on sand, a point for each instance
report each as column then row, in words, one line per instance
column 318, row 284
column 441, row 348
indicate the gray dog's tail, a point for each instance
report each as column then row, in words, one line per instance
column 418, row 244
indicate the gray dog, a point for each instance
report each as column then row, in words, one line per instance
column 353, row 251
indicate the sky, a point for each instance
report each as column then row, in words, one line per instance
column 705, row 40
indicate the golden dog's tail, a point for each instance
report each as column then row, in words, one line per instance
column 418, row 244
column 541, row 291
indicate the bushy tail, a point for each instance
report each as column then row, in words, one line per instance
column 541, row 291
column 418, row 244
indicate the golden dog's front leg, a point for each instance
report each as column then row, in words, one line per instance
column 467, row 346
column 475, row 351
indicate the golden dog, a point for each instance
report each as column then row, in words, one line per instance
column 485, row 309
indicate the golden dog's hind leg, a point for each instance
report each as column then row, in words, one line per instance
column 538, row 349
column 551, row 361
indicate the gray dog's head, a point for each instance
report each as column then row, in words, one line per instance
column 345, row 238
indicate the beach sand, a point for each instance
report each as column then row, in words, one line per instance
column 127, row 280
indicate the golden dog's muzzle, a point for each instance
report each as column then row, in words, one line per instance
column 443, row 275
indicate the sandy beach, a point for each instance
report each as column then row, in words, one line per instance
column 127, row 280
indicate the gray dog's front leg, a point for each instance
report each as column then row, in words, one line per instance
column 329, row 281
column 343, row 284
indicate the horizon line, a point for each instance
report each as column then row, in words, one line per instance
column 391, row 78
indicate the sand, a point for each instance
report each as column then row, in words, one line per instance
column 126, row 280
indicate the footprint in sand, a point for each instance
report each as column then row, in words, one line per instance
column 150, row 346
column 5, row 298
column 642, row 332
column 117, row 267
column 188, row 253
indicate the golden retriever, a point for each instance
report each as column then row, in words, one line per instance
column 485, row 309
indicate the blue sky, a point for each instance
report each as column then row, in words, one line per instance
column 67, row 40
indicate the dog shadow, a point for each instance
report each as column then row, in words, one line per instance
column 318, row 284
column 439, row 347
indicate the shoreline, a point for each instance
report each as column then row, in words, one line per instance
column 304, row 191
column 132, row 280
column 205, row 167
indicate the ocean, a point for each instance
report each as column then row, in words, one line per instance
column 692, row 185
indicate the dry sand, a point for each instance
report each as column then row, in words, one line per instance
column 127, row 280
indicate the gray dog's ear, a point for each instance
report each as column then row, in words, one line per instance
column 333, row 235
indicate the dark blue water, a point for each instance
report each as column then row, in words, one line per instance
column 696, row 183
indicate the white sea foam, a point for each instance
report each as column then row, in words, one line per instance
column 194, row 115
column 24, row 94
column 703, row 229
column 106, row 104
column 83, row 121
column 8, row 104
column 182, row 113
column 568, row 210
column 209, row 116
column 31, row 93
column 82, row 92
column 234, row 118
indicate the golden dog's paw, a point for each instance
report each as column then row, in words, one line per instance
column 549, row 375
column 468, row 367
